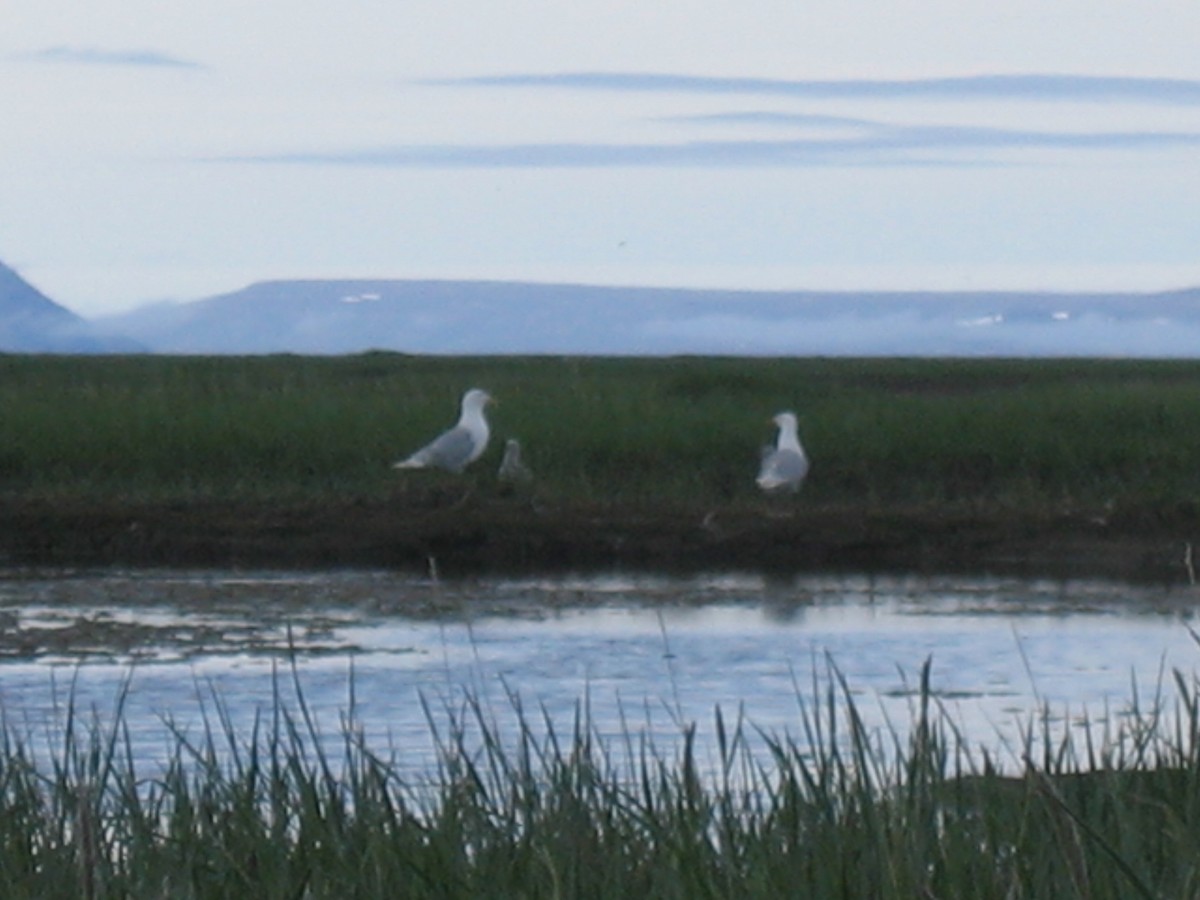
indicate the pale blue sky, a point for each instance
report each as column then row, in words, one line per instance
column 160, row 150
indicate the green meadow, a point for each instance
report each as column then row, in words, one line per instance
column 656, row 433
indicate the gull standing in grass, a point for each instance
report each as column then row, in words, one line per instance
column 457, row 448
column 783, row 466
column 512, row 469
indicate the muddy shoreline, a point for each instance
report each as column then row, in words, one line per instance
column 507, row 537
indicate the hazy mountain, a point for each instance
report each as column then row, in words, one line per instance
column 30, row 322
column 503, row 317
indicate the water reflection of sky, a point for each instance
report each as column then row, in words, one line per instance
column 644, row 654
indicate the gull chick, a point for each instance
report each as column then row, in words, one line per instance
column 783, row 466
column 512, row 469
column 457, row 448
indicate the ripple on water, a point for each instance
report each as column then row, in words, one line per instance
column 643, row 652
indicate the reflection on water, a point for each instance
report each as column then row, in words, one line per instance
column 646, row 654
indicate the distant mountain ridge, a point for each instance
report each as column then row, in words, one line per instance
column 492, row 317
column 497, row 317
column 30, row 322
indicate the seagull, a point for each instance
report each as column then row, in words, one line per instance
column 783, row 466
column 457, row 448
column 512, row 469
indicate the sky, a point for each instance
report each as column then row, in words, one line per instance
column 173, row 150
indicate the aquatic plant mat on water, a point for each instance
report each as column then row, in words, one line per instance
column 515, row 807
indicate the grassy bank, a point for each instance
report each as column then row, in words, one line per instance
column 948, row 440
column 839, row 812
column 679, row 431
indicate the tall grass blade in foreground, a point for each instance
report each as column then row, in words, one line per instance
column 518, row 808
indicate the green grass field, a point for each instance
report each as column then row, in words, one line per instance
column 641, row 432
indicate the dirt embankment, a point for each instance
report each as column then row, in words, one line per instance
column 507, row 535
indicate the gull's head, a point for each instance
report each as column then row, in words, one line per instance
column 785, row 420
column 475, row 400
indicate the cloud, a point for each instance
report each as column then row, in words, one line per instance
column 885, row 135
column 707, row 154
column 805, row 139
column 1074, row 88
column 802, row 120
column 95, row 56
column 876, row 145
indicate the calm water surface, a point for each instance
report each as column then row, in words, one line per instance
column 646, row 654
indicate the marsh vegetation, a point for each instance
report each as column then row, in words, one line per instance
column 150, row 458
column 663, row 431
column 839, row 810
column 1011, row 449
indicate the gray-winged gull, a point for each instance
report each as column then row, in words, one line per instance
column 783, row 466
column 512, row 469
column 457, row 448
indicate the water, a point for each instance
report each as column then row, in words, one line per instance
column 647, row 655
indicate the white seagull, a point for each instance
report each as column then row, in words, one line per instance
column 784, row 465
column 457, row 448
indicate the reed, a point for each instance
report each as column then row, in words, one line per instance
column 662, row 433
column 522, row 808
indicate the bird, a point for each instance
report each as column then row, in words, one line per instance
column 512, row 469
column 783, row 466
column 457, row 448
